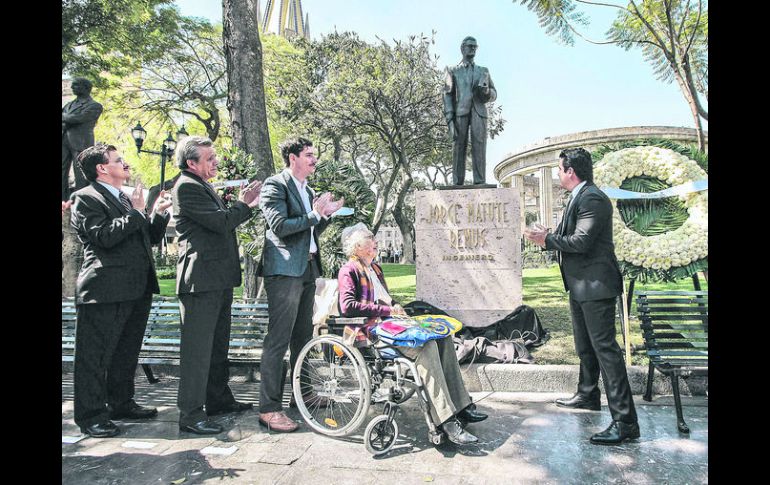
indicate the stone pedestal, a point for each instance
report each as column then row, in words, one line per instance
column 71, row 257
column 469, row 252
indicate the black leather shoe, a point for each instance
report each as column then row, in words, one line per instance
column 456, row 434
column 202, row 427
column 133, row 411
column 234, row 407
column 470, row 415
column 580, row 402
column 616, row 433
column 101, row 430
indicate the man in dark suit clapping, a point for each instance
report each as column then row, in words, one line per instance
column 114, row 290
column 592, row 277
column 207, row 271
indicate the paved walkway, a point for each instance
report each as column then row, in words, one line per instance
column 527, row 439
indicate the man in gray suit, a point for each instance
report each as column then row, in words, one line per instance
column 207, row 271
column 592, row 277
column 78, row 119
column 467, row 89
column 114, row 290
column 290, row 265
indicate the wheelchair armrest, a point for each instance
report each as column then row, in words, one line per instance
column 337, row 325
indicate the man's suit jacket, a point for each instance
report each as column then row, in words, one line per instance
column 287, row 235
column 459, row 97
column 118, row 263
column 78, row 118
column 588, row 264
column 208, row 245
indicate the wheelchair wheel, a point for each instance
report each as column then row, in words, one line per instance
column 335, row 374
column 380, row 436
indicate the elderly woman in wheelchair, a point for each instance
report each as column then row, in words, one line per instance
column 347, row 368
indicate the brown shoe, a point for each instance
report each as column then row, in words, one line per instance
column 312, row 401
column 277, row 421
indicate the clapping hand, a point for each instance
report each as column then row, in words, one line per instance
column 333, row 206
column 137, row 197
column 249, row 194
column 536, row 233
column 162, row 203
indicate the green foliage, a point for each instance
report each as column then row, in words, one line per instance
column 342, row 180
column 556, row 17
column 650, row 217
column 114, row 36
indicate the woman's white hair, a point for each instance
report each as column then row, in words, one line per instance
column 353, row 237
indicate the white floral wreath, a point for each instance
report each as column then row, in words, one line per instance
column 680, row 247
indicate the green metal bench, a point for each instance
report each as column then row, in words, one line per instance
column 675, row 329
column 161, row 343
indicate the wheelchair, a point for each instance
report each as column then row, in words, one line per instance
column 352, row 379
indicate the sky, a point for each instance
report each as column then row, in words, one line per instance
column 546, row 89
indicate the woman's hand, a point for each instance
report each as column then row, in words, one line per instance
column 397, row 310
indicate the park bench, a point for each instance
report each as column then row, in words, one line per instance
column 675, row 329
column 163, row 334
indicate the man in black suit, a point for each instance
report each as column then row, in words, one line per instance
column 114, row 290
column 592, row 277
column 207, row 271
column 290, row 264
column 78, row 119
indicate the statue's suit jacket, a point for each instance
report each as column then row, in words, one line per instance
column 588, row 264
column 78, row 121
column 287, row 236
column 208, row 245
column 459, row 99
column 118, row 264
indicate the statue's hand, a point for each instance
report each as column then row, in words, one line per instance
column 452, row 132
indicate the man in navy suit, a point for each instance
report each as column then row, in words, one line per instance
column 290, row 264
column 114, row 289
column 592, row 277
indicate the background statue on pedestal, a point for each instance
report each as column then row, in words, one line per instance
column 78, row 119
column 467, row 89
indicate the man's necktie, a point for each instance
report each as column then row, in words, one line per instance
column 125, row 201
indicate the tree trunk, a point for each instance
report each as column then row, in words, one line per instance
column 245, row 85
column 246, row 97
column 404, row 224
column 250, row 285
column 71, row 257
column 690, row 95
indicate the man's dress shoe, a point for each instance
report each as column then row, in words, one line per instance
column 101, row 430
column 133, row 411
column 580, row 402
column 202, row 427
column 616, row 433
column 233, row 407
column 278, row 421
column 470, row 415
column 456, row 434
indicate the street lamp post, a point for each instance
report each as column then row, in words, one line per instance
column 166, row 151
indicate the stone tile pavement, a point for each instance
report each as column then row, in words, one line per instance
column 527, row 439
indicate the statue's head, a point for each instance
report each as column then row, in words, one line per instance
column 81, row 86
column 468, row 47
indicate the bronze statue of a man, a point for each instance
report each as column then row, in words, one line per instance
column 78, row 119
column 467, row 89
